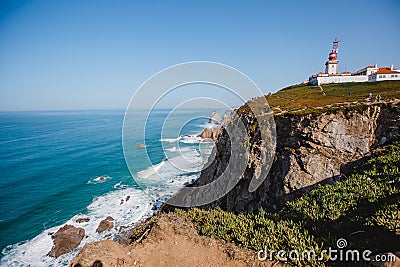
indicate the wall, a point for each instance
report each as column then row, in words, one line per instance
column 339, row 79
column 384, row 77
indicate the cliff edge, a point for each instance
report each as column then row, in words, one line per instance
column 314, row 145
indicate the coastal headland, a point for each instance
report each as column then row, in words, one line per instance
column 335, row 177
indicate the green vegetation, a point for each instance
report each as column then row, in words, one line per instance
column 299, row 96
column 142, row 229
column 306, row 99
column 363, row 208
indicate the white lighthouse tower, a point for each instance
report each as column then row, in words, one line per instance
column 331, row 66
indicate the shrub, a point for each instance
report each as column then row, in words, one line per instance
column 367, row 199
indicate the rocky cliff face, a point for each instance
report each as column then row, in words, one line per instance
column 311, row 149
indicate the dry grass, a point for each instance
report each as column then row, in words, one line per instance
column 300, row 97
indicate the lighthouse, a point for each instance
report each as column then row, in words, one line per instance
column 367, row 74
column 331, row 66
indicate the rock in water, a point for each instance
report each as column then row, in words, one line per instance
column 210, row 133
column 106, row 224
column 140, row 146
column 82, row 220
column 66, row 239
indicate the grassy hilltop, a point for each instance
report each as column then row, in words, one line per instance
column 305, row 99
column 298, row 97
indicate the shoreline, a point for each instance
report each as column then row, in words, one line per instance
column 121, row 233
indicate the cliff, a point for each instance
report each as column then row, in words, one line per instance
column 313, row 146
column 319, row 143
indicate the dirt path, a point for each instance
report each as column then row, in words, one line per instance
column 322, row 89
column 171, row 242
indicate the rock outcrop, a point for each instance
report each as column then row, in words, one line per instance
column 226, row 117
column 66, row 239
column 310, row 149
column 106, row 224
column 211, row 134
column 215, row 118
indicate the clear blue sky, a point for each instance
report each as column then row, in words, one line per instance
column 94, row 54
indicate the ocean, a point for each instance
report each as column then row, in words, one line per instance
column 58, row 166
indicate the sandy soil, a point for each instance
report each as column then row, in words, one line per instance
column 170, row 242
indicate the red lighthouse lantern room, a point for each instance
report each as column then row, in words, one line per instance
column 332, row 55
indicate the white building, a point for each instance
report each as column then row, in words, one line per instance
column 367, row 74
column 367, row 70
column 319, row 79
column 384, row 74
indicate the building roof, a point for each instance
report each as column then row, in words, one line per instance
column 365, row 69
column 346, row 72
column 386, row 70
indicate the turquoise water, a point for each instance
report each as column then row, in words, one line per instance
column 50, row 169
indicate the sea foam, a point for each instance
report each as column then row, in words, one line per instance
column 160, row 182
column 125, row 212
